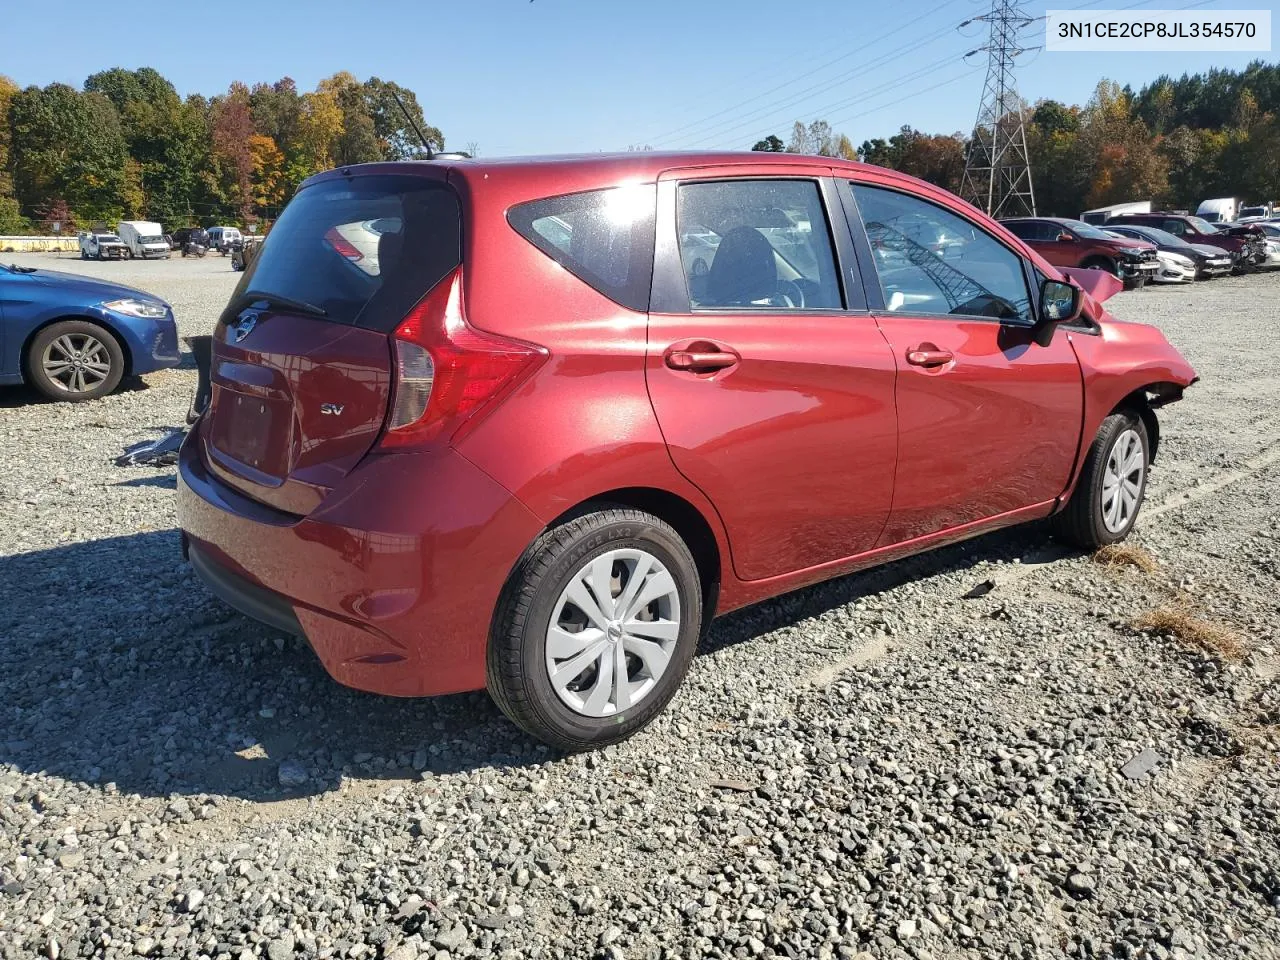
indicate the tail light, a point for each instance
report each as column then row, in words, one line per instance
column 447, row 372
column 343, row 246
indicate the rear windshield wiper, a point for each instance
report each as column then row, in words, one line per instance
column 256, row 297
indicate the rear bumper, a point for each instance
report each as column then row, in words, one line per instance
column 392, row 580
column 253, row 601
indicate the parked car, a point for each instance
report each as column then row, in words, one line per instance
column 540, row 448
column 1074, row 243
column 1245, row 243
column 1259, row 211
column 145, row 240
column 243, row 251
column 74, row 338
column 221, row 238
column 192, row 241
column 100, row 245
column 1204, row 260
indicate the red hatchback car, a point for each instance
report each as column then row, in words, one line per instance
column 530, row 424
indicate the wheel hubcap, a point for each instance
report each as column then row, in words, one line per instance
column 1122, row 481
column 613, row 632
column 76, row 362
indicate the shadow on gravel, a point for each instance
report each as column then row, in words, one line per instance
column 1029, row 544
column 165, row 481
column 21, row 395
column 118, row 666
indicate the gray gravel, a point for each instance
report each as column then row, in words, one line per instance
column 872, row 767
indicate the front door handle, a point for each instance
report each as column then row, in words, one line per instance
column 927, row 355
column 700, row 358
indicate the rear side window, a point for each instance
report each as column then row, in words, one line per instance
column 603, row 237
column 362, row 249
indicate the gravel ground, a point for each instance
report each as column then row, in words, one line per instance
column 874, row 767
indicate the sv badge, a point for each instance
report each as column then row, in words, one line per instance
column 331, row 409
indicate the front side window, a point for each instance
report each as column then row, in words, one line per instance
column 603, row 237
column 976, row 275
column 757, row 245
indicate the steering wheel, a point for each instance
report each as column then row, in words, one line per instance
column 789, row 294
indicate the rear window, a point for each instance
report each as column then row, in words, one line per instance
column 602, row 237
column 362, row 249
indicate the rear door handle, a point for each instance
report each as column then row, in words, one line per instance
column 927, row 355
column 703, row 360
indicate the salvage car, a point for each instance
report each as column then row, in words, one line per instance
column 101, row 245
column 1245, row 243
column 1204, row 260
column 541, row 447
column 75, row 338
column 1074, row 243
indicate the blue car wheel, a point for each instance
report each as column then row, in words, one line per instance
column 74, row 360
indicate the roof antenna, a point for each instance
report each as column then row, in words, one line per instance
column 416, row 129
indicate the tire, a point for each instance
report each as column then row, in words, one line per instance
column 1087, row 521
column 56, row 342
column 519, row 664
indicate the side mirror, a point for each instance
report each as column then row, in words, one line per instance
column 1060, row 302
column 1065, row 237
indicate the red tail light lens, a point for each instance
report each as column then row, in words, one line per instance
column 343, row 246
column 447, row 372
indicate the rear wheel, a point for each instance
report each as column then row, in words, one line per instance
column 596, row 629
column 1113, row 483
column 74, row 360
column 1101, row 263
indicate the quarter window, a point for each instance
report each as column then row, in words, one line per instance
column 933, row 262
column 757, row 245
column 602, row 237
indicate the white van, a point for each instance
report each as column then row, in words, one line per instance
column 221, row 238
column 144, row 239
column 1103, row 214
column 1222, row 210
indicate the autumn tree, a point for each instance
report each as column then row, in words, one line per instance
column 268, row 175
column 232, row 128
column 770, row 144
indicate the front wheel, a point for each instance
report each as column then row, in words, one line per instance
column 596, row 629
column 74, row 360
column 1112, row 485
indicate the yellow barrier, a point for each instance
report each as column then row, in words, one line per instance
column 38, row 244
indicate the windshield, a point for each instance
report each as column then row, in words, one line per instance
column 1161, row 237
column 1203, row 225
column 1087, row 230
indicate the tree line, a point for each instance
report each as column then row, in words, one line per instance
column 1175, row 142
column 127, row 146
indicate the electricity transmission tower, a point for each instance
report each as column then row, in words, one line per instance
column 997, row 170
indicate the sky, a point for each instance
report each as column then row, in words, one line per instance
column 556, row 76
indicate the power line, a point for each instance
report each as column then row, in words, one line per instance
column 759, row 117
column 844, row 56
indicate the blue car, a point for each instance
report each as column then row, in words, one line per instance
column 75, row 338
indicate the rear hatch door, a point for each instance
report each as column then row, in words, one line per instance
column 301, row 367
